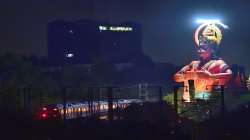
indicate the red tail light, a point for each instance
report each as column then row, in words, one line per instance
column 44, row 115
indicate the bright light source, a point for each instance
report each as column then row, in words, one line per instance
column 102, row 28
column 69, row 55
column 116, row 28
column 122, row 29
column 71, row 31
column 44, row 115
column 211, row 21
column 207, row 21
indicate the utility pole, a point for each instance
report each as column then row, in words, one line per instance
column 64, row 104
column 90, row 100
column 191, row 89
column 176, row 98
column 29, row 101
column 110, row 103
column 99, row 98
column 222, row 101
column 160, row 95
column 24, row 99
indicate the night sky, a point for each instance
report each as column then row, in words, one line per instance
column 168, row 25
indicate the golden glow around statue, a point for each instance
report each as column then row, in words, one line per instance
column 209, row 70
column 212, row 33
column 209, row 30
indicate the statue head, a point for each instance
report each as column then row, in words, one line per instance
column 209, row 39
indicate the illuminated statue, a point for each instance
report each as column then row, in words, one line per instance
column 210, row 70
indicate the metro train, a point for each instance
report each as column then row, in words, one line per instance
column 80, row 109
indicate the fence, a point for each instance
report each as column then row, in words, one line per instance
column 209, row 105
column 28, row 100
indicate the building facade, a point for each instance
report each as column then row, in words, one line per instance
column 86, row 41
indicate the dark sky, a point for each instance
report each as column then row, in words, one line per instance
column 168, row 25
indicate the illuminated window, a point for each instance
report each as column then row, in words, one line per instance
column 71, row 31
column 69, row 55
column 102, row 28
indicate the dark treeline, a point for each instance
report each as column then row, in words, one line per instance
column 22, row 78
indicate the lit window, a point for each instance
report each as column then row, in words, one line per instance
column 102, row 28
column 69, row 55
column 71, row 31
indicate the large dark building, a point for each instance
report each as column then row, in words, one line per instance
column 85, row 41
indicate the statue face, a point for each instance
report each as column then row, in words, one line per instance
column 205, row 52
